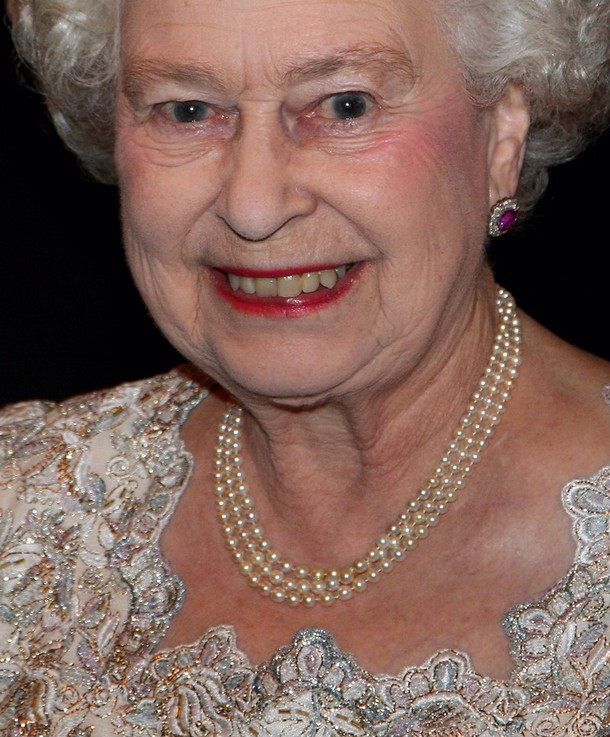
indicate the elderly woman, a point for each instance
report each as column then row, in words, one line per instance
column 344, row 515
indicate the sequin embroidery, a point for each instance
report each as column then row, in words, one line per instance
column 86, row 487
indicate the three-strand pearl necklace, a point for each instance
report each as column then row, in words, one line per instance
column 285, row 581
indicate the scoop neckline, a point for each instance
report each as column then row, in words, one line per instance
column 508, row 618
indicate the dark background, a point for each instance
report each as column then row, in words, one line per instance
column 71, row 319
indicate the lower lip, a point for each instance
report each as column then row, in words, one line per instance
column 301, row 306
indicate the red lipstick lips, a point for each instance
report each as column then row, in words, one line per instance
column 293, row 292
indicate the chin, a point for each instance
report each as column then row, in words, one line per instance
column 285, row 387
column 296, row 381
column 303, row 369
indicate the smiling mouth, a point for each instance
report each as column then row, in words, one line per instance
column 290, row 285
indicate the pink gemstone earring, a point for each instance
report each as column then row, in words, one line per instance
column 503, row 216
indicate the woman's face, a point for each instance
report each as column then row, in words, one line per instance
column 305, row 186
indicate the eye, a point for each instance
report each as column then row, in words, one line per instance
column 348, row 105
column 187, row 111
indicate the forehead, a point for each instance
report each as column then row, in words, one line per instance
column 277, row 34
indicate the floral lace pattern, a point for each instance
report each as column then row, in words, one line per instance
column 86, row 488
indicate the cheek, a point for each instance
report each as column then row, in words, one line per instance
column 143, row 199
column 156, row 212
column 439, row 160
column 420, row 179
column 160, row 202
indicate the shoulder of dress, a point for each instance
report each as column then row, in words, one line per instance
column 587, row 501
column 166, row 398
column 46, row 447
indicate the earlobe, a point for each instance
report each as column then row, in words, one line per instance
column 507, row 145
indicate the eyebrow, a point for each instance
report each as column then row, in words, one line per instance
column 144, row 72
column 377, row 59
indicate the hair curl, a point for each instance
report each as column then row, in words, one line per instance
column 557, row 50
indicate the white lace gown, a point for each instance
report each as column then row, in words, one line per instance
column 86, row 488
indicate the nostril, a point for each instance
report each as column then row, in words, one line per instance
column 261, row 191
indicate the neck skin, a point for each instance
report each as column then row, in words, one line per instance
column 327, row 479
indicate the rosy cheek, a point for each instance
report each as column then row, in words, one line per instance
column 409, row 161
column 442, row 154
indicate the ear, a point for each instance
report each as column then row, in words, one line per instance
column 510, row 124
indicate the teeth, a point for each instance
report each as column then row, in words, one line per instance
column 246, row 284
column 288, row 286
column 328, row 278
column 310, row 281
column 266, row 287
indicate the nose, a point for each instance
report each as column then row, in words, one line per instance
column 262, row 187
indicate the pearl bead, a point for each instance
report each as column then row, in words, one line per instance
column 296, row 585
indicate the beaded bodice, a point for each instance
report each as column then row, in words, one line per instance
column 86, row 488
